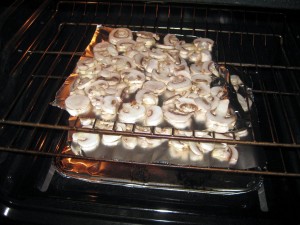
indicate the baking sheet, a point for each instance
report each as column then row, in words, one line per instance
column 249, row 156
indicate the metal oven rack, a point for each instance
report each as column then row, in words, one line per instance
column 260, row 46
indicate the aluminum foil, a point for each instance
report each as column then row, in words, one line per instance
column 249, row 156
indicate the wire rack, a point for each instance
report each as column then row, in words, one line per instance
column 259, row 45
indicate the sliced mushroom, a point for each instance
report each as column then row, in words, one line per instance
column 174, row 115
column 156, row 87
column 195, row 148
column 146, row 97
column 113, row 140
column 204, row 43
column 77, row 105
column 125, row 45
column 129, row 142
column 110, row 104
column 131, row 112
column 220, row 120
column 179, row 83
column 164, row 77
column 96, row 88
column 87, row 141
column 171, row 39
column 119, row 34
column 205, row 55
column 154, row 115
column 187, row 105
column 85, row 64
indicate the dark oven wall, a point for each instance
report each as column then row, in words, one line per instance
column 42, row 41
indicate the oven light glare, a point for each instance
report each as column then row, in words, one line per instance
column 164, row 211
column 6, row 211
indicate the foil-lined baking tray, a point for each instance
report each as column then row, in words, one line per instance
column 250, row 157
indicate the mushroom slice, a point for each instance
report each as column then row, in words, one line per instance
column 112, row 140
column 219, row 120
column 125, row 45
column 158, row 54
column 164, row 46
column 236, row 81
column 196, row 68
column 87, row 141
column 101, row 47
column 83, row 82
column 173, row 115
column 129, row 142
column 234, row 155
column 187, row 105
column 222, row 154
column 204, row 43
column 96, row 88
column 85, row 64
column 162, row 77
column 144, row 142
column 148, row 42
column 195, row 56
column 134, row 78
column 243, row 102
column 200, row 78
column 195, row 148
column 77, row 105
column 146, row 34
column 179, row 145
column 110, row 104
column 156, row 87
column 154, row 115
column 171, row 39
column 119, row 34
column 123, row 62
column 146, row 97
column 179, row 83
column 151, row 65
column 205, row 55
column 206, row 147
column 131, row 112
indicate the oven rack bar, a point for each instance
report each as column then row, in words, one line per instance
column 211, row 169
column 150, row 134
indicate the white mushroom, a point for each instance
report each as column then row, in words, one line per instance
column 125, row 45
column 129, row 142
column 187, row 105
column 87, row 141
column 134, row 78
column 156, row 87
column 220, row 120
column 84, row 64
column 77, row 105
column 205, row 55
column 195, row 148
column 110, row 104
column 204, row 43
column 120, row 34
column 164, row 77
column 154, row 116
column 173, row 114
column 179, row 83
column 234, row 155
column 146, row 97
column 222, row 153
column 113, row 140
column 131, row 112
column 171, row 39
column 148, row 143
column 151, row 65
column 244, row 102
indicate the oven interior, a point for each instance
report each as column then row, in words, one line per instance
column 40, row 46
